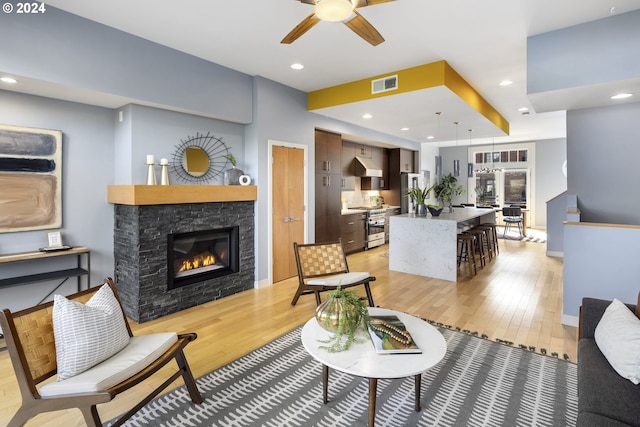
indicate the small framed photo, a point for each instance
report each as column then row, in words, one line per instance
column 54, row 239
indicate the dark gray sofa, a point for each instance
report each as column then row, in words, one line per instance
column 604, row 397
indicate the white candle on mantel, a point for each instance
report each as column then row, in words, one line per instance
column 150, row 159
column 164, row 161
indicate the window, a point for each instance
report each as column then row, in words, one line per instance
column 511, row 156
column 515, row 188
column 485, row 189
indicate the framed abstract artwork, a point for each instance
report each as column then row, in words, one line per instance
column 30, row 179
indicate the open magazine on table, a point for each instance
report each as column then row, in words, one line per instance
column 390, row 336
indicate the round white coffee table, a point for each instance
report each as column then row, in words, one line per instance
column 363, row 361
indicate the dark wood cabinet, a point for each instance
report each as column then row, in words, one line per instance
column 352, row 232
column 348, row 172
column 400, row 161
column 365, row 151
column 328, row 152
column 328, row 186
column 405, row 160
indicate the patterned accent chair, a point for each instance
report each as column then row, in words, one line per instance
column 323, row 267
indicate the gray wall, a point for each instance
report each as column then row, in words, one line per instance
column 549, row 179
column 565, row 58
column 59, row 47
column 159, row 132
column 87, row 169
column 602, row 163
column 449, row 154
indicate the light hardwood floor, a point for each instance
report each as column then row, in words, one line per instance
column 517, row 297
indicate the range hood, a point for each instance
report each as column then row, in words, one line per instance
column 366, row 167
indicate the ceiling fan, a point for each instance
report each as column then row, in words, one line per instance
column 338, row 10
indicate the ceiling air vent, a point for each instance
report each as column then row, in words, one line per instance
column 384, row 84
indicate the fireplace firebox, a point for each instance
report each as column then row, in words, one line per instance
column 197, row 256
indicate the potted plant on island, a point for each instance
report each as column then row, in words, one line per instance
column 419, row 195
column 343, row 313
column 446, row 189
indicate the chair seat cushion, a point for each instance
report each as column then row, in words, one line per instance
column 139, row 353
column 339, row 279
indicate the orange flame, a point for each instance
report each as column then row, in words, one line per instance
column 197, row 262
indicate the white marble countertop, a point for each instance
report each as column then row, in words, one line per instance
column 458, row 215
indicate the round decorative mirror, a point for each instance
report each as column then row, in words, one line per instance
column 200, row 158
column 195, row 161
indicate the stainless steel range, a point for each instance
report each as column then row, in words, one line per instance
column 375, row 227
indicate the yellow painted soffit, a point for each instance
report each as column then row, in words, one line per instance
column 410, row 79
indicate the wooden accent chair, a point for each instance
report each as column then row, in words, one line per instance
column 31, row 344
column 323, row 267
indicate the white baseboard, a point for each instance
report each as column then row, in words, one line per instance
column 555, row 254
column 262, row 284
column 570, row 320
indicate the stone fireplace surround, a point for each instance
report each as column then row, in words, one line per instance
column 140, row 253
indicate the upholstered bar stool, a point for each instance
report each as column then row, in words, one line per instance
column 481, row 242
column 467, row 248
column 494, row 239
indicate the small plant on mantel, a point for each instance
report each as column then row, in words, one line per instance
column 343, row 313
column 231, row 159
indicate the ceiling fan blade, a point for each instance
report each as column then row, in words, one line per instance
column 304, row 26
column 363, row 3
column 364, row 29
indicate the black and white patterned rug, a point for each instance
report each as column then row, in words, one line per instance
column 478, row 383
column 533, row 235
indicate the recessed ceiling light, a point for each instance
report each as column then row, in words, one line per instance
column 523, row 109
column 506, row 83
column 297, row 66
column 404, row 129
column 622, row 96
column 430, row 137
column 367, row 116
column 10, row 80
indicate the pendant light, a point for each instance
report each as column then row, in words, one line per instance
column 469, row 164
column 493, row 168
column 438, row 156
column 456, row 163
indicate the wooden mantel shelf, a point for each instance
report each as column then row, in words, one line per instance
column 176, row 194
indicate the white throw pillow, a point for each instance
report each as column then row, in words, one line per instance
column 87, row 334
column 618, row 338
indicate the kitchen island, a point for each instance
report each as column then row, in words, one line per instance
column 427, row 245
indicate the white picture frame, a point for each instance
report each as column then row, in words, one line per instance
column 54, row 239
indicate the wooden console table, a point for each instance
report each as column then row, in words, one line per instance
column 82, row 269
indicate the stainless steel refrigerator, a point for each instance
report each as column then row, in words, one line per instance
column 407, row 181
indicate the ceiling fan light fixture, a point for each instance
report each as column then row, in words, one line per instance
column 334, row 10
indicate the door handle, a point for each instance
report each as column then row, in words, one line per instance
column 291, row 219
column 286, row 219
